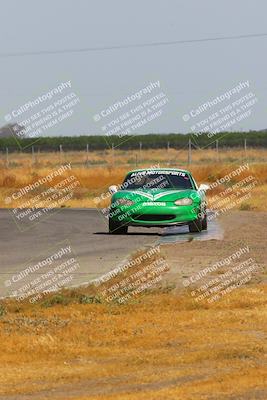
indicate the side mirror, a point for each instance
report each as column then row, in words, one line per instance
column 203, row 187
column 113, row 189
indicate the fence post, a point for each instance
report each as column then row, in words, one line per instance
column 7, row 157
column 189, row 152
column 60, row 152
column 217, row 149
column 112, row 153
column 87, row 154
column 168, row 151
column 33, row 156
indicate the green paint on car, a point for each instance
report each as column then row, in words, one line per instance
column 158, row 198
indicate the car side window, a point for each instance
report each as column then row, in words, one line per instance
column 195, row 185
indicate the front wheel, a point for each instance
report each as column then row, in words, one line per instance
column 117, row 229
column 195, row 226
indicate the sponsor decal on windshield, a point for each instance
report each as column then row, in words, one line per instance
column 159, row 172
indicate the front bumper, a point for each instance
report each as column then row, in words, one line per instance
column 152, row 216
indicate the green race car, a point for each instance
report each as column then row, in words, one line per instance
column 158, row 198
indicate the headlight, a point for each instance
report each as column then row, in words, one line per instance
column 184, row 202
column 124, row 202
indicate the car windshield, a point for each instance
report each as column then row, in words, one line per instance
column 157, row 180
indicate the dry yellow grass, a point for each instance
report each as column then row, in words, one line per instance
column 105, row 168
column 164, row 343
column 161, row 345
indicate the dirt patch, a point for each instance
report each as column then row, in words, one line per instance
column 241, row 228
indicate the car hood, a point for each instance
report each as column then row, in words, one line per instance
column 155, row 195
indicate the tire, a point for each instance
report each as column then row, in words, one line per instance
column 117, row 229
column 195, row 226
column 205, row 223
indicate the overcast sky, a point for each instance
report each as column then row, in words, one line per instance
column 189, row 74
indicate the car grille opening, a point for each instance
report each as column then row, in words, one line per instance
column 154, row 217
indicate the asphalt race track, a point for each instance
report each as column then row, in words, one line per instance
column 87, row 233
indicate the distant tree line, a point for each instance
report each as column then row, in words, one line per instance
column 151, row 141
